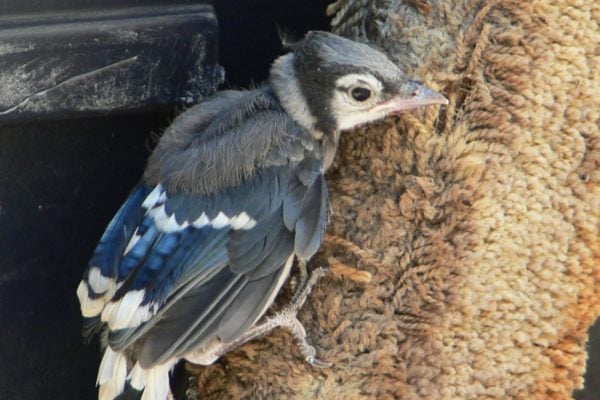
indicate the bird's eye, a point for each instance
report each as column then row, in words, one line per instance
column 360, row 93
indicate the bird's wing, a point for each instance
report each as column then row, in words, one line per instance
column 175, row 270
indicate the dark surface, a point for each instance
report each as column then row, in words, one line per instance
column 63, row 176
column 13, row 7
column 249, row 33
column 60, row 184
column 592, row 376
column 63, row 173
column 61, row 65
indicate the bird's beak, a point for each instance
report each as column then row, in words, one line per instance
column 420, row 96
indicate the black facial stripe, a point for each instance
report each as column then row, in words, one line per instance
column 318, row 88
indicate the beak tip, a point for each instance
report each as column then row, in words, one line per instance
column 436, row 97
column 423, row 97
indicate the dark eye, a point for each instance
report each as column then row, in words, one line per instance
column 360, row 93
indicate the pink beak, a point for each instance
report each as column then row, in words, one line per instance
column 420, row 97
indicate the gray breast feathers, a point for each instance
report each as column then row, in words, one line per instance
column 223, row 141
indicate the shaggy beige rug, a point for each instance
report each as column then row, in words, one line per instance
column 479, row 223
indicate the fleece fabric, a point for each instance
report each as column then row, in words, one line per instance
column 464, row 240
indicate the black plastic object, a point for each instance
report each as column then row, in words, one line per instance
column 100, row 62
column 8, row 7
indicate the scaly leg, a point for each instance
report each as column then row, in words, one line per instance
column 287, row 318
column 300, row 281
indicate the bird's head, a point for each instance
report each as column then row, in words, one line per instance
column 330, row 84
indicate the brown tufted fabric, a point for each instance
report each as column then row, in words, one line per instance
column 479, row 223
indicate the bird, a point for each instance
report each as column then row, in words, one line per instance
column 232, row 194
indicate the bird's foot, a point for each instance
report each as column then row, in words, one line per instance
column 287, row 318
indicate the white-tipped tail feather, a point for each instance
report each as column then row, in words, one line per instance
column 153, row 381
column 111, row 374
column 157, row 382
column 137, row 377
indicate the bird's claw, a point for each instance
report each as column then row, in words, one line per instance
column 315, row 362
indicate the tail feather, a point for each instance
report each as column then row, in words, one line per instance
column 112, row 374
column 157, row 383
column 91, row 327
column 118, row 382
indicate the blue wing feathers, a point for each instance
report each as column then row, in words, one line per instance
column 198, row 249
column 308, row 170
column 109, row 251
column 255, row 197
column 241, row 241
column 201, row 268
column 275, row 258
column 310, row 227
column 159, row 285
column 211, row 279
column 246, row 308
column 188, row 284
column 207, row 327
column 292, row 204
column 138, row 253
column 247, row 262
column 156, row 260
column 194, row 314
column 247, row 249
column 208, row 282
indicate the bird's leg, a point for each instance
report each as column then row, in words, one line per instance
column 300, row 281
column 286, row 318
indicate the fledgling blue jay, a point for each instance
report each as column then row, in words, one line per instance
column 232, row 194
